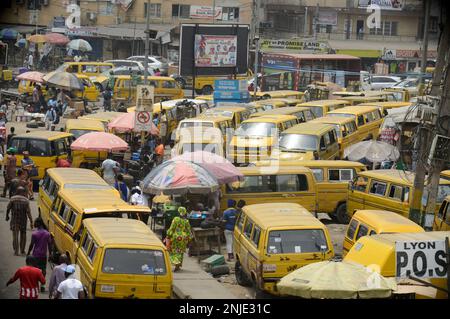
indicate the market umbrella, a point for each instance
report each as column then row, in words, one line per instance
column 64, row 80
column 336, row 280
column 374, row 151
column 80, row 45
column 37, row 38
column 8, row 34
column 221, row 168
column 99, row 142
column 32, row 76
column 21, row 43
column 126, row 123
column 179, row 177
column 57, row 38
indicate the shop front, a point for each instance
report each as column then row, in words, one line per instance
column 406, row 61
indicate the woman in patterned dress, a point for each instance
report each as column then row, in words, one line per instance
column 180, row 235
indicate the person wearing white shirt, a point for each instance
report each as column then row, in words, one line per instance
column 70, row 288
column 137, row 198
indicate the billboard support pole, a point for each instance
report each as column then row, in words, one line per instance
column 147, row 41
column 256, row 41
column 194, row 68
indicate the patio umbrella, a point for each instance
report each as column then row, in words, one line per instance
column 57, row 38
column 8, row 34
column 32, row 76
column 21, row 43
column 179, row 177
column 37, row 38
column 80, row 45
column 374, row 151
column 126, row 122
column 221, row 168
column 64, row 80
column 99, row 142
column 336, row 280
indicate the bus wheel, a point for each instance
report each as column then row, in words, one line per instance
column 341, row 214
column 241, row 277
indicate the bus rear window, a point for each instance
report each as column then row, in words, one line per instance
column 296, row 241
column 134, row 262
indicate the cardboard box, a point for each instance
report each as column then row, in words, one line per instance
column 79, row 106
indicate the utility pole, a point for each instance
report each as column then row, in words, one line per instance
column 315, row 19
column 305, row 31
column 425, row 44
column 256, row 41
column 147, row 41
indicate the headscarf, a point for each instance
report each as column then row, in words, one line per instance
column 182, row 211
column 231, row 203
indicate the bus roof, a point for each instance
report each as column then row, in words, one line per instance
column 271, row 119
column 76, row 176
column 387, row 222
column 395, row 176
column 333, row 120
column 323, row 102
column 44, row 135
column 253, row 170
column 354, row 109
column 271, row 215
column 85, row 124
column 281, row 111
column 121, row 231
column 309, row 128
column 314, row 163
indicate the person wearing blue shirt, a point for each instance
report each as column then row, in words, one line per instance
column 121, row 187
column 229, row 219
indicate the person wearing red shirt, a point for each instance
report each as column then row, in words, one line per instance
column 29, row 277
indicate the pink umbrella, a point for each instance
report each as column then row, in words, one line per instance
column 125, row 123
column 99, row 142
column 221, row 168
column 57, row 38
column 32, row 76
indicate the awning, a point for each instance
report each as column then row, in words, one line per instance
column 132, row 31
column 362, row 53
column 22, row 28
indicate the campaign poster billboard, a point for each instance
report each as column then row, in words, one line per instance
column 215, row 50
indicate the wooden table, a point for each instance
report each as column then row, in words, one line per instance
column 202, row 240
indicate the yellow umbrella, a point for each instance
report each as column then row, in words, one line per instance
column 336, row 280
column 37, row 38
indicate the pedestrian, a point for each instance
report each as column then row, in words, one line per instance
column 19, row 207
column 42, row 101
column 110, row 169
column 35, row 98
column 157, row 72
column 111, row 80
column 29, row 277
column 122, row 187
column 107, row 97
column 63, row 100
column 41, row 242
column 57, row 276
column 179, row 235
column 163, row 126
column 49, row 117
column 137, row 198
column 70, row 288
column 10, row 136
column 20, row 180
column 159, row 152
column 30, row 170
column 9, row 172
column 229, row 220
column 30, row 61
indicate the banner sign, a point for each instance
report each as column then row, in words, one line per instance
column 327, row 17
column 383, row 4
column 145, row 97
column 293, row 45
column 420, row 259
column 205, row 12
column 230, row 85
column 215, row 50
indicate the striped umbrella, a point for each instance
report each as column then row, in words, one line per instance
column 179, row 177
column 57, row 38
column 8, row 34
column 99, row 142
column 64, row 80
column 37, row 38
column 32, row 76
column 80, row 45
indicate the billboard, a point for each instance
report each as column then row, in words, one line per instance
column 293, row 45
column 215, row 50
column 383, row 4
column 205, row 12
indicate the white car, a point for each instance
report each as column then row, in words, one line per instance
column 134, row 65
column 379, row 82
column 410, row 84
column 156, row 62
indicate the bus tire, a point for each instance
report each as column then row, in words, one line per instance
column 241, row 277
column 341, row 214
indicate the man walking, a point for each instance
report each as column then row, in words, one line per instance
column 229, row 219
column 110, row 168
column 57, row 276
column 107, row 97
column 10, row 169
column 41, row 241
column 70, row 288
column 29, row 277
column 19, row 206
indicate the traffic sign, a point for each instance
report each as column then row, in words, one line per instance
column 143, row 121
column 144, row 98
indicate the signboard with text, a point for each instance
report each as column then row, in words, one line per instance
column 293, row 45
column 144, row 98
column 205, row 12
column 383, row 4
column 420, row 259
column 215, row 50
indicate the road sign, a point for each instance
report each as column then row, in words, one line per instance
column 143, row 121
column 420, row 259
column 145, row 97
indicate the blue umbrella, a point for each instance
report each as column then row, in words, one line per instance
column 8, row 34
column 21, row 43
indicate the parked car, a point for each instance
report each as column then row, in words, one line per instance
column 133, row 64
column 378, row 82
column 100, row 80
column 411, row 84
column 156, row 62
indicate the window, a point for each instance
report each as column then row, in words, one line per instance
column 169, row 84
column 318, row 174
column 296, row 241
column 86, row 243
column 332, row 137
column 240, row 221
column 376, row 115
column 248, row 228
column 360, row 120
column 91, row 255
column 442, row 209
column 134, row 262
column 287, row 183
column 389, row 28
column 255, row 236
column 361, row 184
column 72, row 219
column 340, row 175
column 229, row 14
column 326, row 137
column 362, row 231
column 181, row 11
column 154, row 10
column 369, row 117
column 378, row 188
column 372, row 232
column 271, row 183
column 60, row 147
column 46, row 183
column 104, row 68
column 89, row 69
column 447, row 215
column 38, row 148
column 322, row 142
column 398, row 192
column 352, row 228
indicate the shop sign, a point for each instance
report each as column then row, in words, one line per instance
column 293, row 45
column 392, row 54
column 82, row 31
column 383, row 4
column 327, row 17
column 205, row 12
